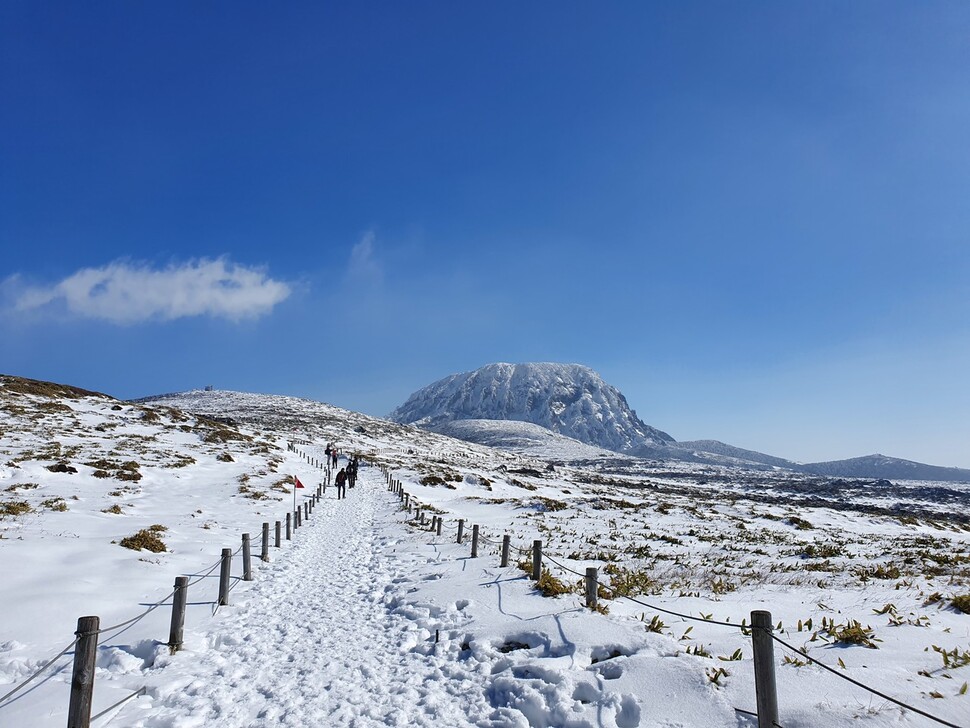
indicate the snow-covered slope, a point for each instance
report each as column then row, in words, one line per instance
column 570, row 399
column 369, row 618
column 521, row 437
column 716, row 447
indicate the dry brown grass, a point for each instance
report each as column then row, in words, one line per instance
column 147, row 539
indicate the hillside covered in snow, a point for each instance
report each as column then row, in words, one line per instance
column 370, row 617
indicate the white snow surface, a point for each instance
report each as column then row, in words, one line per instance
column 368, row 618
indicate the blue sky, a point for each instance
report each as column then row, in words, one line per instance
column 749, row 217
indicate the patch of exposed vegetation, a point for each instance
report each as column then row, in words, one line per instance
column 55, row 504
column 822, row 551
column 520, row 484
column 147, row 539
column 217, row 433
column 281, row 485
column 852, row 633
column 549, row 504
column 800, row 523
column 443, row 477
column 105, row 468
column 550, row 586
column 150, row 416
column 630, row 582
column 116, row 509
column 14, row 508
column 250, row 493
column 21, row 486
column 20, row 385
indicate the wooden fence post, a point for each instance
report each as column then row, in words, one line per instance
column 82, row 680
column 306, row 511
column 179, row 600
column 592, row 587
column 289, row 530
column 264, row 553
column 506, row 542
column 277, row 540
column 247, row 554
column 461, row 528
column 474, row 540
column 764, row 669
column 440, row 520
column 297, row 521
column 537, row 559
column 224, row 577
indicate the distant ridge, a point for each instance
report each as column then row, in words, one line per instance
column 721, row 448
column 886, row 468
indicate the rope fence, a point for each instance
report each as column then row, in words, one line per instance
column 761, row 625
column 85, row 644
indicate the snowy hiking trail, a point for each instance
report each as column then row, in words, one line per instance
column 339, row 630
column 313, row 642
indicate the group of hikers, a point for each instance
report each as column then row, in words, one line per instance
column 347, row 475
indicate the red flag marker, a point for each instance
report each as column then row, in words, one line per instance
column 298, row 483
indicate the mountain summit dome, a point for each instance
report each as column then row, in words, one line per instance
column 570, row 399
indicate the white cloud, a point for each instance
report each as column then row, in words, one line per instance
column 125, row 293
column 363, row 264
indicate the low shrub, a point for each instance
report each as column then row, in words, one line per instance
column 961, row 602
column 55, row 504
column 14, row 508
column 147, row 539
column 550, row 586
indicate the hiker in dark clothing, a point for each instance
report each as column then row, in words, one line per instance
column 352, row 471
column 342, row 484
column 333, row 456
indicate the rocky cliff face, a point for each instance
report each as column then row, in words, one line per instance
column 570, row 399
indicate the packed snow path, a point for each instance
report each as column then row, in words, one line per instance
column 314, row 642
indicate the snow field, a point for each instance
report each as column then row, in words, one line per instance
column 505, row 656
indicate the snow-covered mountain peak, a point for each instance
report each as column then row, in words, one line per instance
column 570, row 399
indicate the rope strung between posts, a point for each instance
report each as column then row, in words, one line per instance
column 748, row 712
column 743, row 628
column 40, row 670
column 645, row 604
column 206, row 574
column 835, row 672
column 773, row 636
column 140, row 691
column 139, row 617
column 106, row 630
